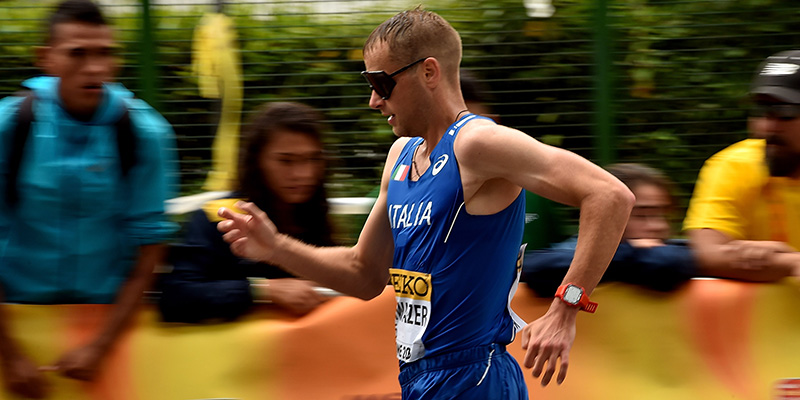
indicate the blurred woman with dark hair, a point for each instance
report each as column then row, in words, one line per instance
column 282, row 170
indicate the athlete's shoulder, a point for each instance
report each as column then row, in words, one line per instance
column 400, row 143
column 472, row 123
column 483, row 130
column 480, row 136
column 397, row 148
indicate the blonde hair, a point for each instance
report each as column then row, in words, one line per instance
column 414, row 34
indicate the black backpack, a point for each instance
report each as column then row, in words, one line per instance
column 126, row 145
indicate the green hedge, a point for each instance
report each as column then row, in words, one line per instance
column 681, row 72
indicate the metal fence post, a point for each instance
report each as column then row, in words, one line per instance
column 147, row 56
column 604, row 135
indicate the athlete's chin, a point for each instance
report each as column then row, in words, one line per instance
column 400, row 132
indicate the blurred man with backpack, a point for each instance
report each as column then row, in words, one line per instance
column 84, row 172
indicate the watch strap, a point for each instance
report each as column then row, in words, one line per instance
column 583, row 303
column 589, row 307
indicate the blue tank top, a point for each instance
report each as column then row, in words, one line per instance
column 454, row 274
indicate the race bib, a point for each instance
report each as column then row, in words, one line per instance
column 519, row 323
column 413, row 293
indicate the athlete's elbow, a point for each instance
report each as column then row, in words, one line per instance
column 621, row 198
column 371, row 293
column 371, row 270
column 372, row 286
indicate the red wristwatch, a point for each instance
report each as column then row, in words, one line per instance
column 575, row 296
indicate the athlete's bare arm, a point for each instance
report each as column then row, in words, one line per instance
column 496, row 162
column 361, row 270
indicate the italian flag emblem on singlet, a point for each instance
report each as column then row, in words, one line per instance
column 400, row 172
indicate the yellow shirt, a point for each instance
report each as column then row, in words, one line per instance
column 734, row 194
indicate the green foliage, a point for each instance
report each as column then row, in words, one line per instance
column 681, row 72
column 684, row 70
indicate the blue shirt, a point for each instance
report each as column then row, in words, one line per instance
column 73, row 235
column 453, row 273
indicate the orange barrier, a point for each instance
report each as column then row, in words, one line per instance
column 712, row 339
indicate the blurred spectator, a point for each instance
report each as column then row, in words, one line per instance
column 645, row 256
column 744, row 216
column 476, row 95
column 83, row 170
column 281, row 169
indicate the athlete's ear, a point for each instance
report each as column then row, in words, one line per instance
column 433, row 72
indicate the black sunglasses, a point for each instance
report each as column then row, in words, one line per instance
column 783, row 111
column 382, row 83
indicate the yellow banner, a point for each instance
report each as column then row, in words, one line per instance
column 713, row 339
column 217, row 65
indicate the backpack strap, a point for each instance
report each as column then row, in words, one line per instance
column 15, row 151
column 126, row 144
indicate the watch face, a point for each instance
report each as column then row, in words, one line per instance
column 573, row 294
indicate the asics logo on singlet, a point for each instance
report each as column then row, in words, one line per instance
column 778, row 69
column 439, row 164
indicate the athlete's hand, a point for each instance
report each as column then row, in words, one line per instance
column 548, row 341
column 251, row 235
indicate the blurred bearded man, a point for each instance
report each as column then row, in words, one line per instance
column 744, row 216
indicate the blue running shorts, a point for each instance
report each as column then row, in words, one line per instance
column 483, row 373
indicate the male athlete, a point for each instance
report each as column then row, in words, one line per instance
column 446, row 228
